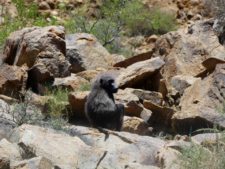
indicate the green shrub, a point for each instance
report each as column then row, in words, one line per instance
column 162, row 22
column 136, row 18
column 122, row 17
column 210, row 155
column 85, row 87
column 23, row 111
column 56, row 105
column 57, row 123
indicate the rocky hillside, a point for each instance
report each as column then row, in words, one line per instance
column 171, row 82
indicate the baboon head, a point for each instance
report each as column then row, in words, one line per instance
column 107, row 82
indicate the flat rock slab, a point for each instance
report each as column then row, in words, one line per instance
column 88, row 148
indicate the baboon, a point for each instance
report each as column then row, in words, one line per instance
column 100, row 107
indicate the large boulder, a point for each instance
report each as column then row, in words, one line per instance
column 88, row 148
column 12, row 80
column 42, row 50
column 202, row 104
column 28, row 45
column 84, row 52
column 137, row 73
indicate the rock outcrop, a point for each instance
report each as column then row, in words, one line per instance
column 202, row 103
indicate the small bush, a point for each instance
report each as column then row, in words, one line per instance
column 85, row 87
column 136, row 18
column 57, row 102
column 162, row 22
column 57, row 123
column 206, row 156
column 57, row 111
column 23, row 112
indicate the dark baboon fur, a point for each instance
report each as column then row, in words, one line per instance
column 100, row 107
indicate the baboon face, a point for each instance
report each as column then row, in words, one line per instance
column 108, row 83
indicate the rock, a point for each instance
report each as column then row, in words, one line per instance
column 178, row 144
column 72, row 82
column 4, row 110
column 137, row 58
column 207, row 138
column 77, row 101
column 8, row 99
column 130, row 101
column 201, row 104
column 139, row 72
column 34, row 43
column 87, row 148
column 12, row 80
column 161, row 115
column 9, row 151
column 6, row 120
column 12, row 42
column 154, row 97
column 38, row 102
column 152, row 39
column 84, row 52
column 118, row 58
column 9, row 154
column 48, row 144
column 90, row 74
column 136, row 125
column 44, row 5
column 42, row 50
column 167, row 158
column 33, row 163
column 211, row 63
column 4, row 163
column 8, row 9
column 180, row 83
column 184, row 51
column 125, row 139
column 38, row 76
